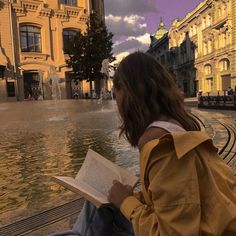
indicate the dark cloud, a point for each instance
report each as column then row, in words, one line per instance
column 129, row 7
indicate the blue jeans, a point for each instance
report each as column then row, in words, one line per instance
column 105, row 221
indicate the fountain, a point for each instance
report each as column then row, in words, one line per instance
column 104, row 94
column 54, row 83
column 41, row 89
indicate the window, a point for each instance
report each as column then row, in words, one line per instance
column 69, row 2
column 205, row 48
column 209, row 20
column 11, row 89
column 30, row 38
column 209, row 84
column 208, row 69
column 204, row 23
column 210, row 46
column 2, row 69
column 224, row 65
column 223, row 40
column 224, row 10
column 68, row 38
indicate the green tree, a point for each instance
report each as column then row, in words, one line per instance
column 88, row 51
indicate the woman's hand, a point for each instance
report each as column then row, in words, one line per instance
column 118, row 193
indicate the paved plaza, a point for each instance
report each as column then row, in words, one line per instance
column 221, row 127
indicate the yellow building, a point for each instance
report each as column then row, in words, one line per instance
column 34, row 37
column 211, row 27
column 201, row 48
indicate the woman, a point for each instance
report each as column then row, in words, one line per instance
column 186, row 187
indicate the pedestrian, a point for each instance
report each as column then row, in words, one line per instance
column 230, row 91
column 186, row 187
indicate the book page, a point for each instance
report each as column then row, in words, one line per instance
column 98, row 176
column 84, row 190
column 97, row 173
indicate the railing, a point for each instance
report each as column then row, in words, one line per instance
column 225, row 102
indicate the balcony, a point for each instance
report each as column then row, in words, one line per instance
column 219, row 23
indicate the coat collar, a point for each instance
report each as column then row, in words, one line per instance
column 183, row 142
column 186, row 141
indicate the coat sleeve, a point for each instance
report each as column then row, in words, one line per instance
column 174, row 193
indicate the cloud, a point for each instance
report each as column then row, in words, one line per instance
column 125, row 19
column 144, row 39
column 126, row 26
column 132, row 44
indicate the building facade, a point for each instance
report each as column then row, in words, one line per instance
column 34, row 37
column 203, row 48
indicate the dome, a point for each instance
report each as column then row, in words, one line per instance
column 161, row 30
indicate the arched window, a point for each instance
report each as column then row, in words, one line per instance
column 68, row 38
column 208, row 69
column 224, row 10
column 30, row 38
column 210, row 46
column 205, row 48
column 224, row 65
column 219, row 11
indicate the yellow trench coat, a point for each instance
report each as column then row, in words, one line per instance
column 187, row 189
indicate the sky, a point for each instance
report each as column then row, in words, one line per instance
column 132, row 21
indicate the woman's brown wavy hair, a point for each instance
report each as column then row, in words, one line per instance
column 149, row 91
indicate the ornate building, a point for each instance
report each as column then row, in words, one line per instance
column 203, row 48
column 34, row 37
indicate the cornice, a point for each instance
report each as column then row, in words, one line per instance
column 47, row 12
column 34, row 56
column 193, row 14
column 72, row 11
column 24, row 6
column 60, row 14
column 83, row 18
column 215, row 56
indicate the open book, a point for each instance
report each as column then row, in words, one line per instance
column 95, row 177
